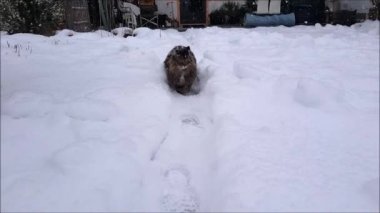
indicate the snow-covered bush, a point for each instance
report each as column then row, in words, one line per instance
column 31, row 16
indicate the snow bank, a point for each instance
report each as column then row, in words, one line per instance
column 287, row 119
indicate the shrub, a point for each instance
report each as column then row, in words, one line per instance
column 229, row 13
column 31, row 16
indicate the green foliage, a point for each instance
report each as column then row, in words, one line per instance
column 30, row 16
column 374, row 12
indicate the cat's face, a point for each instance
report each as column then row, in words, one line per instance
column 183, row 52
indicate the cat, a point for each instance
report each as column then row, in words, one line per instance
column 181, row 69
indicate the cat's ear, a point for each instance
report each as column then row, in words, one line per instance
column 188, row 48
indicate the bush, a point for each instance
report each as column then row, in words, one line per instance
column 229, row 13
column 217, row 17
column 31, row 16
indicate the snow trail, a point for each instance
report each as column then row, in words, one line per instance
column 184, row 154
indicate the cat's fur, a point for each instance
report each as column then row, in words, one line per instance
column 181, row 69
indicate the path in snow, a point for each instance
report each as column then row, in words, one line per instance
column 184, row 154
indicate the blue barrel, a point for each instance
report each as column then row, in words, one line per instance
column 252, row 20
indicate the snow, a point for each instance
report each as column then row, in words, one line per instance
column 287, row 119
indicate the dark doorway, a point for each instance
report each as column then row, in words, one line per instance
column 193, row 11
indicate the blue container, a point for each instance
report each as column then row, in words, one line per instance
column 251, row 20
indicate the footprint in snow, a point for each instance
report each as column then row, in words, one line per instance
column 179, row 195
column 27, row 104
column 190, row 119
column 91, row 110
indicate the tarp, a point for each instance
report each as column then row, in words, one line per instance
column 252, row 20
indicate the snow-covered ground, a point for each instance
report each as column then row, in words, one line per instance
column 287, row 119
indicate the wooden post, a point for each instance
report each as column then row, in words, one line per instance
column 107, row 14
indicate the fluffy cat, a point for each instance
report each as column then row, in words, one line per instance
column 181, row 69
